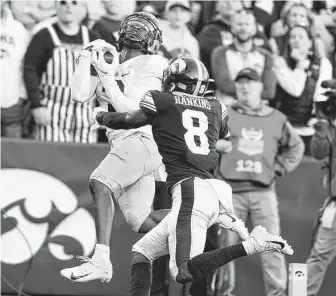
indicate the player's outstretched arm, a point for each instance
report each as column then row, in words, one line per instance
column 146, row 81
column 106, row 72
column 127, row 120
column 83, row 85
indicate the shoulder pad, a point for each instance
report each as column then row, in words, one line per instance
column 152, row 65
column 224, row 110
column 158, row 61
column 155, row 65
column 211, row 98
column 147, row 103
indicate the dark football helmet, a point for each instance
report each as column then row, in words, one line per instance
column 140, row 30
column 210, row 92
column 186, row 74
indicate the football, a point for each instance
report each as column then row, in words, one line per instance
column 108, row 57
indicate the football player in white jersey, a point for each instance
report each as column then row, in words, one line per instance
column 126, row 173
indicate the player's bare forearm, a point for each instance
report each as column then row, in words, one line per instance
column 126, row 120
column 137, row 118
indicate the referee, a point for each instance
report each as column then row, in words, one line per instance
column 48, row 68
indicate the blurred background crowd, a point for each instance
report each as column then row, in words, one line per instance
column 287, row 47
column 290, row 45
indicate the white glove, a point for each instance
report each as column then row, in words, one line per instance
column 224, row 146
column 86, row 52
column 230, row 221
column 95, row 113
column 98, row 60
column 97, row 44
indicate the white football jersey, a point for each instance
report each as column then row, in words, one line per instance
column 135, row 77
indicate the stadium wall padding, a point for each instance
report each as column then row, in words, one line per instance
column 45, row 194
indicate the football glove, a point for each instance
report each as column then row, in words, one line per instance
column 97, row 44
column 95, row 113
column 100, row 60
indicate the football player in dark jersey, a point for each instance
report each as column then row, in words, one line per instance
column 186, row 127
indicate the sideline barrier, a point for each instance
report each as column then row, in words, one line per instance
column 45, row 193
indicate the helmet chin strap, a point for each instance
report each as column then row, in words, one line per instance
column 123, row 53
column 172, row 87
column 127, row 53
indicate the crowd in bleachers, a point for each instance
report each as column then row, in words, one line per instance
column 290, row 44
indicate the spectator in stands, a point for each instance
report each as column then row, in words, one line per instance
column 49, row 65
column 108, row 25
column 96, row 10
column 196, row 15
column 331, row 26
column 218, row 31
column 30, row 13
column 177, row 39
column 208, row 10
column 14, row 41
column 81, row 15
column 159, row 6
column 294, row 13
column 266, row 12
column 264, row 147
column 149, row 7
column 299, row 74
column 323, row 250
column 227, row 61
column 297, row 13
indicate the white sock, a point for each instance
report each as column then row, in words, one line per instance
column 247, row 248
column 102, row 254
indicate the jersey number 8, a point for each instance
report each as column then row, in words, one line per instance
column 192, row 131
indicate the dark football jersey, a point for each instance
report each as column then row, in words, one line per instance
column 186, row 129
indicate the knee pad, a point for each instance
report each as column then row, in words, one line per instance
column 95, row 184
column 133, row 220
column 139, row 253
column 98, row 177
column 146, row 249
column 135, row 215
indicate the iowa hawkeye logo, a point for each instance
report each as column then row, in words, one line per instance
column 46, row 211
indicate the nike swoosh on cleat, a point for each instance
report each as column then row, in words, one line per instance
column 279, row 243
column 74, row 277
column 233, row 219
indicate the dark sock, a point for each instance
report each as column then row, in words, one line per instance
column 205, row 263
column 141, row 279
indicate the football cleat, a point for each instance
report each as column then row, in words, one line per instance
column 230, row 221
column 88, row 271
column 262, row 241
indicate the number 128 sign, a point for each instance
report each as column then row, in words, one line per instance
column 249, row 166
